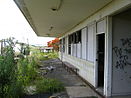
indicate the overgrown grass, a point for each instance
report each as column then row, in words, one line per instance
column 52, row 55
column 27, row 70
column 16, row 76
column 40, row 56
column 48, row 86
column 9, row 83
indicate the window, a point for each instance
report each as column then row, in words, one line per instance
column 78, row 36
column 63, row 44
column 60, row 41
column 74, row 39
column 69, row 43
column 60, row 45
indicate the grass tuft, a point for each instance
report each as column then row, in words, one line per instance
column 49, row 86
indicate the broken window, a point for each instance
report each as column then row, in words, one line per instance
column 69, row 43
column 78, row 36
column 63, row 44
column 60, row 45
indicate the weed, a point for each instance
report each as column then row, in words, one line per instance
column 53, row 55
column 49, row 86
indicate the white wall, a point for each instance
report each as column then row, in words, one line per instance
column 87, row 68
column 82, row 54
column 121, row 76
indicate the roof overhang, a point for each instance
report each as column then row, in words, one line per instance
column 52, row 18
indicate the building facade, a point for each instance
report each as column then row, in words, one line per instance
column 100, row 47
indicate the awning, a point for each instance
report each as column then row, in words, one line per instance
column 52, row 18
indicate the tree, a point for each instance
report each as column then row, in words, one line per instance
column 54, row 43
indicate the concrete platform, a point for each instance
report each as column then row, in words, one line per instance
column 81, row 92
column 75, row 87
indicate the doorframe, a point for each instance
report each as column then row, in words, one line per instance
column 107, row 59
column 96, row 56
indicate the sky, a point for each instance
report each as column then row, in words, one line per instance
column 14, row 24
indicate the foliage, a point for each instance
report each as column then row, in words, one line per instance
column 16, row 89
column 49, row 86
column 54, row 43
column 15, row 75
column 46, row 56
column 52, row 55
column 26, row 70
column 40, row 56
column 8, row 68
column 24, row 50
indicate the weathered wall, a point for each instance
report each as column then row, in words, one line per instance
column 82, row 54
column 121, row 82
column 86, row 63
column 113, row 7
column 86, row 69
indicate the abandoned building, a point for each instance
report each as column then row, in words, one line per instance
column 95, row 38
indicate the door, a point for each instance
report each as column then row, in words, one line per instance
column 100, row 60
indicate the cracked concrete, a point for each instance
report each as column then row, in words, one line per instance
column 75, row 87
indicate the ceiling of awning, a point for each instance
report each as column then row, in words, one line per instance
column 51, row 18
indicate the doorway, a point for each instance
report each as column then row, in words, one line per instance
column 100, row 58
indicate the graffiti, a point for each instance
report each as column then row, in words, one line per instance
column 122, row 53
column 122, row 60
column 127, row 50
column 118, row 51
column 126, row 42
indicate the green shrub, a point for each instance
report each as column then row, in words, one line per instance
column 16, row 75
column 53, row 55
column 8, row 70
column 26, row 70
column 49, row 86
column 41, row 56
column 16, row 89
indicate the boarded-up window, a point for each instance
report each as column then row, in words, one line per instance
column 91, row 43
column 101, row 26
column 63, row 44
column 79, row 50
column 74, row 50
column 84, row 43
column 66, row 44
